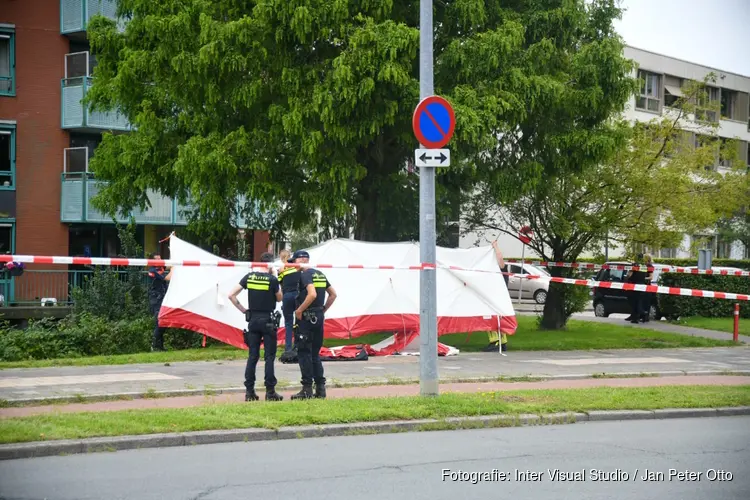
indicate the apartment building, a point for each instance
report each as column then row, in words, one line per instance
column 663, row 77
column 47, row 138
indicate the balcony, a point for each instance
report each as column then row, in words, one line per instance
column 79, row 187
column 76, row 14
column 78, row 118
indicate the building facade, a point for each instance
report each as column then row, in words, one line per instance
column 47, row 138
column 663, row 77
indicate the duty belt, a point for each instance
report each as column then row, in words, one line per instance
column 308, row 315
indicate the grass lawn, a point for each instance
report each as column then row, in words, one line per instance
column 292, row 413
column 580, row 335
column 717, row 324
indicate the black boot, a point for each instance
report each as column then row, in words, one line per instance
column 251, row 396
column 272, row 395
column 305, row 393
column 320, row 391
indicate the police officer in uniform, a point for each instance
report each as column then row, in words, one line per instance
column 263, row 293
column 311, row 308
column 289, row 278
column 158, row 289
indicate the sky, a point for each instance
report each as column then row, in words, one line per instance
column 714, row 33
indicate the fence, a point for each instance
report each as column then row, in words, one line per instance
column 45, row 287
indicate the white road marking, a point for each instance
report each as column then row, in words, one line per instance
column 605, row 361
column 374, row 367
column 83, row 379
column 452, row 367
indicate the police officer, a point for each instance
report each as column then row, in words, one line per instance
column 289, row 278
column 310, row 314
column 263, row 293
column 158, row 289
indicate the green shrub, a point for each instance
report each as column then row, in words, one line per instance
column 85, row 335
column 674, row 306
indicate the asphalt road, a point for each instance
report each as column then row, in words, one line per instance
column 411, row 465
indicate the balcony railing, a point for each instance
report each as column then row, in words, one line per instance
column 77, row 116
column 79, row 188
column 76, row 14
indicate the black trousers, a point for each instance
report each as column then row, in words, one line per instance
column 309, row 340
column 639, row 304
column 257, row 331
column 157, row 341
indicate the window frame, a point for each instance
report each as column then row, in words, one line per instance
column 643, row 75
column 10, row 32
column 4, row 128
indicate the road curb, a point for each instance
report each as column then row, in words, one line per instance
column 365, row 383
column 121, row 443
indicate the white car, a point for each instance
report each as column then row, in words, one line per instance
column 533, row 288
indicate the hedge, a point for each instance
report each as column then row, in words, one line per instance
column 673, row 306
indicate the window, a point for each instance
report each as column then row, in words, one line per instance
column 668, row 253
column 728, row 104
column 7, row 237
column 707, row 104
column 705, row 141
column 7, row 61
column 649, row 96
column 7, row 156
column 672, row 90
column 723, row 248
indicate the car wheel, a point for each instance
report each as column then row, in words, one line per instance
column 540, row 296
column 600, row 311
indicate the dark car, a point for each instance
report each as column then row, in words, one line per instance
column 615, row 301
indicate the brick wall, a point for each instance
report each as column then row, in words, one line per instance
column 40, row 65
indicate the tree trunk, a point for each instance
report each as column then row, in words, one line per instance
column 553, row 317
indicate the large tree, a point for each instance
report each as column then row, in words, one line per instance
column 307, row 105
column 649, row 190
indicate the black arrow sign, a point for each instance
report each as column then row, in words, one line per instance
column 442, row 157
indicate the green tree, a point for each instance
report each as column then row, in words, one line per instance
column 649, row 187
column 307, row 105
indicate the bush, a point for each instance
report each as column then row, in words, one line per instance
column 676, row 306
column 85, row 335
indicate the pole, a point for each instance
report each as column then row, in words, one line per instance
column 521, row 279
column 736, row 322
column 428, row 376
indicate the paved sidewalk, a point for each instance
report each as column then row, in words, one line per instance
column 380, row 391
column 661, row 326
column 190, row 378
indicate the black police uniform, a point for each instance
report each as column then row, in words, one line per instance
column 261, row 297
column 289, row 279
column 309, row 335
column 638, row 300
column 156, row 293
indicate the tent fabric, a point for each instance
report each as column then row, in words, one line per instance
column 369, row 300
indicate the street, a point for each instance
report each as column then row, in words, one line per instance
column 715, row 452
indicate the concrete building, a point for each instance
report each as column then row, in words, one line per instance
column 47, row 138
column 663, row 78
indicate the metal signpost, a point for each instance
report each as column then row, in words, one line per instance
column 433, row 123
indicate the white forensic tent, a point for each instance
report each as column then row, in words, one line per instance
column 369, row 300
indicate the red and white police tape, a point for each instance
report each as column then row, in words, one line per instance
column 622, row 267
column 106, row 261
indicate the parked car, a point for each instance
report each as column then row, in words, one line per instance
column 615, row 301
column 533, row 288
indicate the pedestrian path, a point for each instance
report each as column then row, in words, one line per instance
column 197, row 378
column 379, row 391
